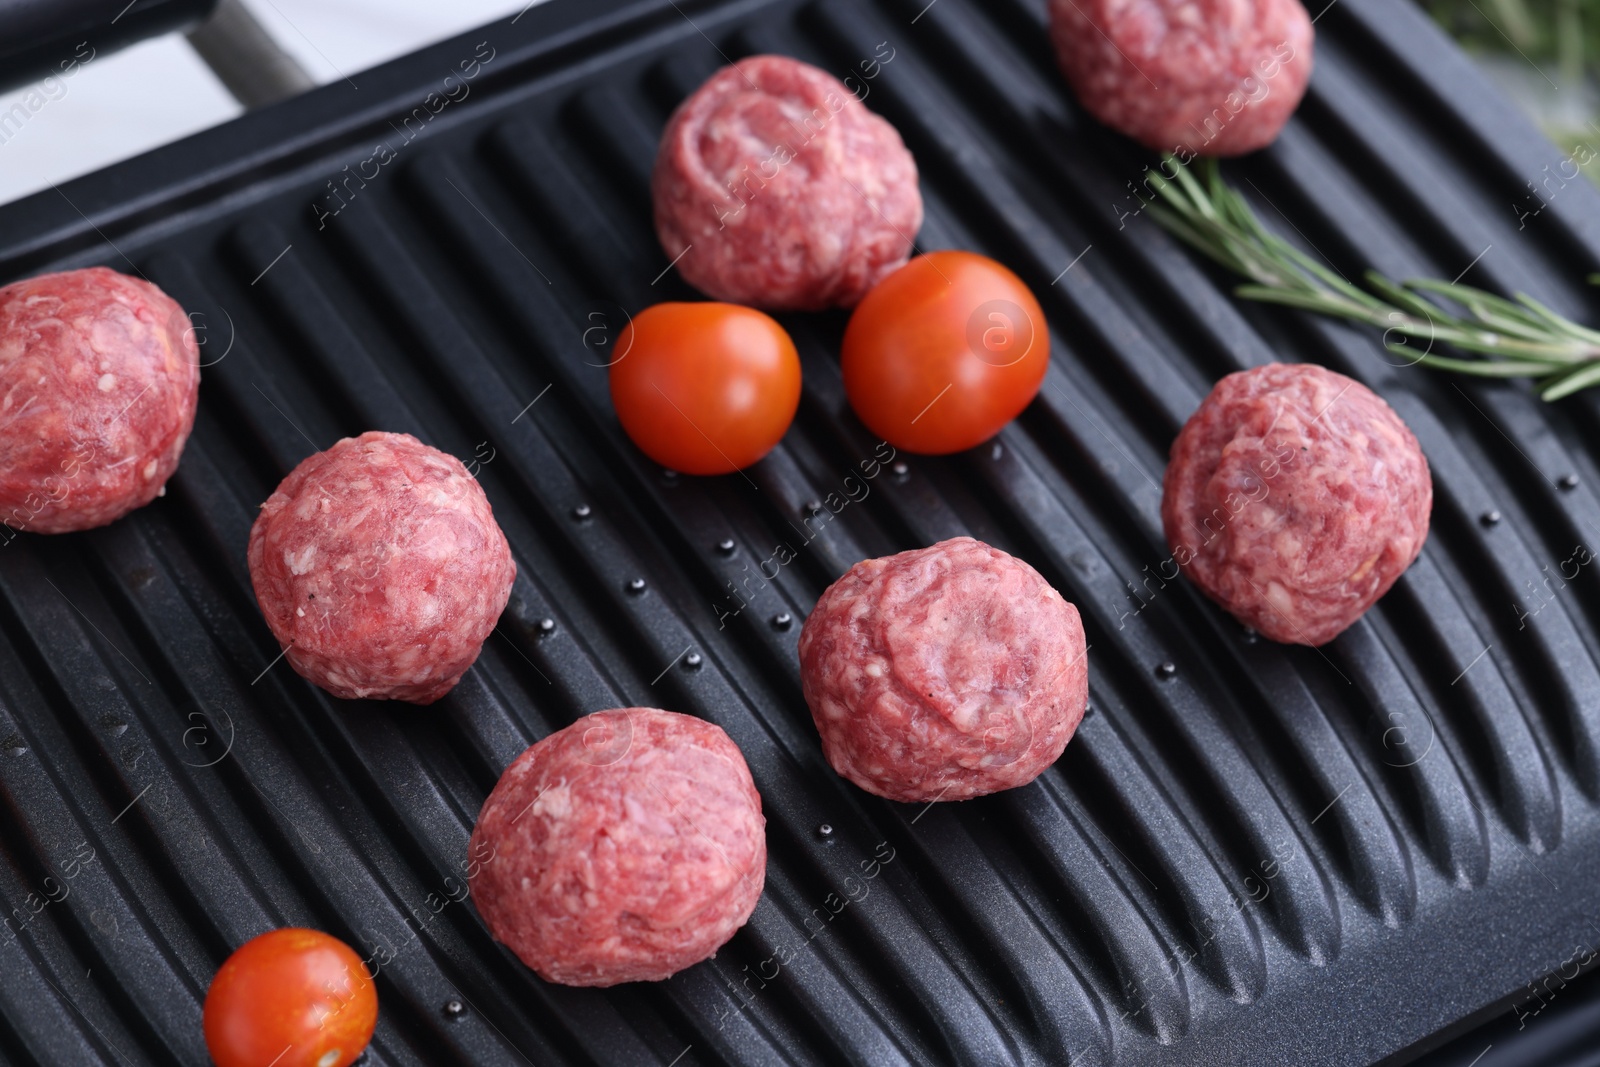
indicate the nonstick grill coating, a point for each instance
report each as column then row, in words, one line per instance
column 1262, row 855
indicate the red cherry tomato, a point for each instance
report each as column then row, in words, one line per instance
column 290, row 998
column 705, row 388
column 944, row 352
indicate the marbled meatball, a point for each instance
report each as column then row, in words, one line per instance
column 99, row 374
column 623, row 848
column 1195, row 77
column 379, row 565
column 945, row 673
column 1294, row 498
column 775, row 187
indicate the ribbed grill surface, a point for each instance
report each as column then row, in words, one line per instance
column 1273, row 856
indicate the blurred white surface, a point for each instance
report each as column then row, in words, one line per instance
column 122, row 104
column 110, row 108
column 337, row 39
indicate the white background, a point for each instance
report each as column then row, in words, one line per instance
column 125, row 103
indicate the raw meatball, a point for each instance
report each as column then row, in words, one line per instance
column 1295, row 497
column 778, row 188
column 1193, row 77
column 623, row 848
column 943, row 673
column 380, row 566
column 99, row 374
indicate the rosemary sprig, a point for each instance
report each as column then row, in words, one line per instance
column 1536, row 30
column 1521, row 338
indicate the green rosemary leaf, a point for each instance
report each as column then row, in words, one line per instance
column 1573, row 380
column 1493, row 368
column 1325, row 303
column 1567, row 326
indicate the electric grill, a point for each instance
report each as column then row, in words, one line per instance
column 1251, row 854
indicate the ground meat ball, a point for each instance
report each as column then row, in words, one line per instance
column 380, row 566
column 99, row 374
column 943, row 673
column 623, row 848
column 1295, row 497
column 1206, row 77
column 779, row 189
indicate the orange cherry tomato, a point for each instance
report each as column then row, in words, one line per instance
column 944, row 352
column 290, row 998
column 705, row 388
